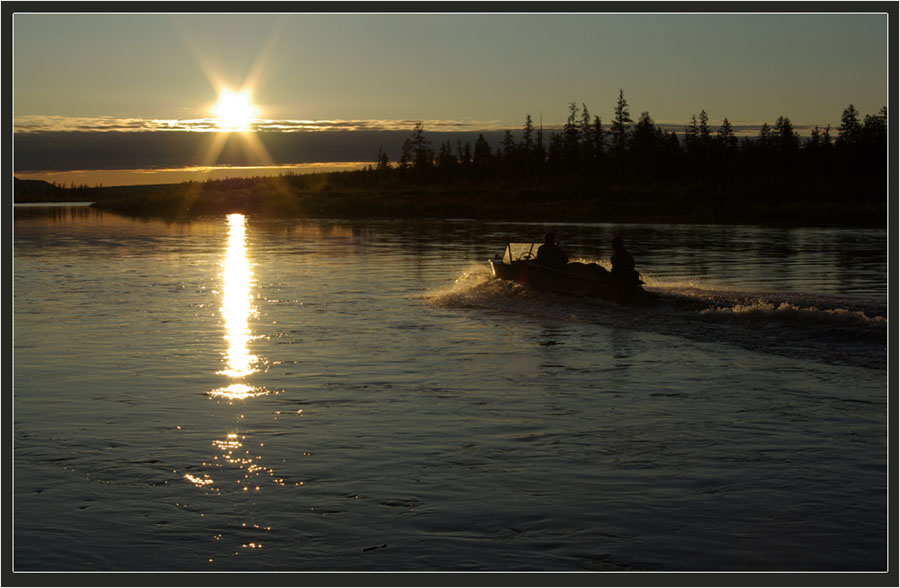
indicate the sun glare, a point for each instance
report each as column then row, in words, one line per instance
column 234, row 111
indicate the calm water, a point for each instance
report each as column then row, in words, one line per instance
column 248, row 394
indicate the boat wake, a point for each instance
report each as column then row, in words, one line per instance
column 846, row 331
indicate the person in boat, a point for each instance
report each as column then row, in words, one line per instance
column 622, row 262
column 623, row 273
column 551, row 254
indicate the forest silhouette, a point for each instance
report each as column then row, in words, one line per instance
column 632, row 152
column 624, row 171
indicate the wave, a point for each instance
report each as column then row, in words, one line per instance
column 810, row 315
column 850, row 331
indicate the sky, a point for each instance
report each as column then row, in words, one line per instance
column 456, row 71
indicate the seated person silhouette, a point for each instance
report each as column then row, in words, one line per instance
column 550, row 254
column 622, row 262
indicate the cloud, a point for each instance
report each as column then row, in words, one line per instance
column 116, row 150
column 57, row 143
column 48, row 124
column 66, row 143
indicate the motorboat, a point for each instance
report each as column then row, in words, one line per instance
column 519, row 263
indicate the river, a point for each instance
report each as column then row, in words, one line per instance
column 244, row 393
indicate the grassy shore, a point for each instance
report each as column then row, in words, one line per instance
column 648, row 203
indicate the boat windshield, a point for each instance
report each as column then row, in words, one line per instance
column 519, row 251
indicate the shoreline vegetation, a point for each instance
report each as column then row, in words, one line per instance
column 585, row 172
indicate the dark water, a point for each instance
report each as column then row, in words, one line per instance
column 249, row 394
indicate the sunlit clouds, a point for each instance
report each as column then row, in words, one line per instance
column 47, row 124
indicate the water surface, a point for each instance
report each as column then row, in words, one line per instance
column 252, row 394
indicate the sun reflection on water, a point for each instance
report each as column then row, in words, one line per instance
column 237, row 301
column 251, row 472
column 199, row 481
column 237, row 309
column 236, row 466
column 237, row 392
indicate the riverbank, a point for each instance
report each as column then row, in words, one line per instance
column 357, row 195
column 650, row 203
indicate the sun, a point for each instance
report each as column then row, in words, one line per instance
column 234, row 111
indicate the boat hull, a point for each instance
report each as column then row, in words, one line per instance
column 581, row 280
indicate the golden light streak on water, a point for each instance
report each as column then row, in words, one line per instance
column 237, row 308
column 237, row 301
column 237, row 392
column 199, row 481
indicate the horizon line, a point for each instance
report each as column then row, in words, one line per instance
column 35, row 124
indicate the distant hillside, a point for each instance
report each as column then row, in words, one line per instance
column 41, row 191
column 38, row 191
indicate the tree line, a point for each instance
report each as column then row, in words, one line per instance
column 625, row 150
column 39, row 190
column 623, row 170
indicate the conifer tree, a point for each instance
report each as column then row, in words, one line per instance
column 570, row 138
column 788, row 141
column 585, row 139
column 826, row 137
column 620, row 125
column 464, row 153
column 421, row 147
column 555, row 152
column 727, row 140
column 874, row 127
column 598, row 138
column 692, row 135
column 482, row 156
column 445, row 158
column 644, row 135
column 848, row 133
column 406, row 155
column 382, row 162
column 528, row 135
column 703, row 133
column 766, row 136
column 585, row 128
column 508, row 150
